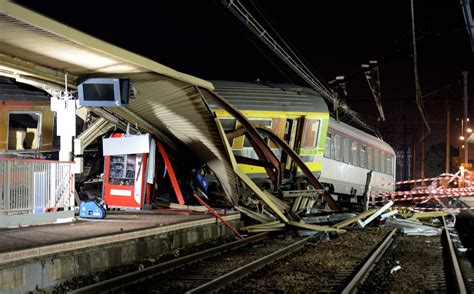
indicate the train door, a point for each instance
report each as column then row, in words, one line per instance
column 289, row 138
column 285, row 160
column 292, row 136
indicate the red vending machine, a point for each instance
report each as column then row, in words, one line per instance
column 125, row 175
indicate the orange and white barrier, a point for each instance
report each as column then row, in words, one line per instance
column 428, row 191
column 410, row 181
column 428, row 208
column 431, row 208
column 421, row 198
column 433, row 193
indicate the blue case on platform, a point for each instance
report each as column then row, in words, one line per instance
column 91, row 209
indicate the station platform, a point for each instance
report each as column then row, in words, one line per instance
column 38, row 257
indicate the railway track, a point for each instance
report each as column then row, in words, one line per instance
column 438, row 270
column 358, row 261
column 193, row 271
column 417, row 264
column 465, row 265
column 321, row 267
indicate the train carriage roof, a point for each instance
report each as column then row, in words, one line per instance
column 287, row 98
column 360, row 136
column 270, row 97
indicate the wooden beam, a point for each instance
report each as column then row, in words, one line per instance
column 270, row 226
column 245, row 178
column 282, row 204
column 260, row 230
column 300, row 163
column 352, row 220
column 305, row 193
column 254, row 215
column 428, row 214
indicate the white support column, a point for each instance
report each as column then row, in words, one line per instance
column 66, row 125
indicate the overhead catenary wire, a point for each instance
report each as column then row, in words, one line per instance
column 419, row 96
column 289, row 79
column 245, row 16
column 292, row 49
column 292, row 60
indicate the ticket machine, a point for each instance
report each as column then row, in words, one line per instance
column 126, row 171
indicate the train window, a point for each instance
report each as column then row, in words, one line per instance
column 346, row 150
column 376, row 160
column 56, row 139
column 337, row 147
column 333, row 147
column 311, row 133
column 388, row 165
column 24, row 130
column 228, row 124
column 363, row 156
column 382, row 162
column 355, row 153
column 327, row 149
column 288, row 127
column 370, row 161
column 261, row 123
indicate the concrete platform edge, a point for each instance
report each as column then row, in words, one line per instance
column 20, row 220
column 8, row 257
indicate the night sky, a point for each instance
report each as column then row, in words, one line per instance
column 205, row 39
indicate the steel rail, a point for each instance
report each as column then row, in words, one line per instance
column 236, row 274
column 454, row 260
column 369, row 264
column 136, row 276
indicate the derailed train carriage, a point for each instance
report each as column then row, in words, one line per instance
column 341, row 156
column 338, row 154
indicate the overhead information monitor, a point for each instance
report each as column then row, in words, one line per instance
column 103, row 92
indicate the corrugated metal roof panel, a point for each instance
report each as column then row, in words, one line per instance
column 255, row 96
column 168, row 102
column 361, row 136
column 178, row 110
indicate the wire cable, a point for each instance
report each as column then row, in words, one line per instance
column 419, row 97
column 292, row 60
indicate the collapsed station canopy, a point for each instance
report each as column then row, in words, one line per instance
column 167, row 104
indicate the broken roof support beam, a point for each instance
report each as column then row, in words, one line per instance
column 247, row 180
column 300, row 163
column 375, row 215
column 350, row 221
column 260, row 217
column 259, row 145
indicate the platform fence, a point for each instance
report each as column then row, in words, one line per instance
column 35, row 186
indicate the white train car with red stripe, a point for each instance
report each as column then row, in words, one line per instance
column 349, row 156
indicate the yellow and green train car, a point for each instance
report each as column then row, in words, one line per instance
column 299, row 119
column 340, row 155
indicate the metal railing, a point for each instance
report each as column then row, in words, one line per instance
column 35, row 186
